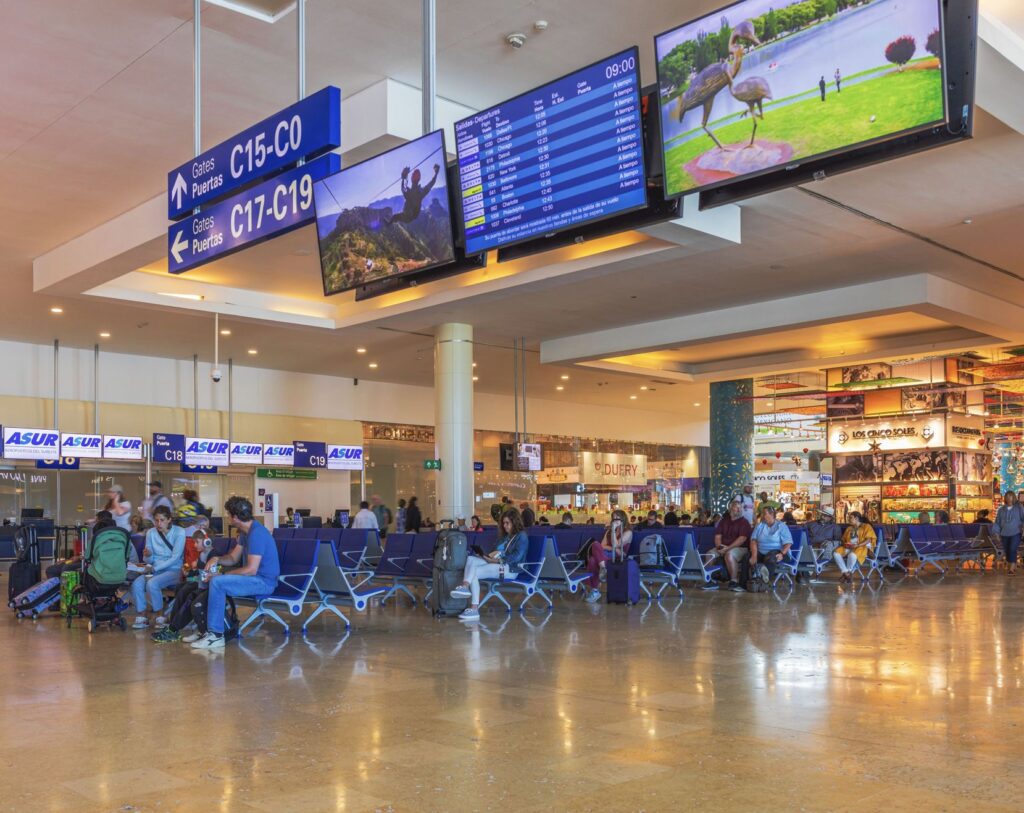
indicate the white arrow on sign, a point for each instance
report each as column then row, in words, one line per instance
column 179, row 189
column 178, row 245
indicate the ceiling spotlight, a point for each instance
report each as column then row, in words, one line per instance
column 696, row 403
column 253, row 351
column 191, row 297
column 474, row 365
column 225, row 332
column 373, row 365
column 476, row 378
column 360, row 349
column 559, row 388
column 56, row 310
column 104, row 335
column 632, row 398
column 644, row 387
column 565, row 378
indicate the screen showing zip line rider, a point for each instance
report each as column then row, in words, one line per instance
column 385, row 217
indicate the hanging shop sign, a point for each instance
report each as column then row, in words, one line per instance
column 75, row 445
column 398, row 431
column 826, row 481
column 307, row 128
column 345, row 458
column 966, row 432
column 560, row 474
column 887, row 434
column 672, row 469
column 30, row 444
column 122, row 447
column 788, row 486
column 600, row 468
column 769, row 478
column 269, row 209
column 206, row 452
column 245, row 454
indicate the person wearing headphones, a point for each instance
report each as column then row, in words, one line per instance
column 256, row 577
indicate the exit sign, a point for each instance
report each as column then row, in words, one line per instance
column 434, row 465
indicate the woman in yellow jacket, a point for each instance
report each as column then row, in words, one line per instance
column 858, row 539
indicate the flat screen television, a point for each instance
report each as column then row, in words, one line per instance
column 386, row 217
column 765, row 84
column 566, row 153
column 521, row 457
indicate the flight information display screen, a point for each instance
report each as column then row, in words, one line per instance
column 569, row 152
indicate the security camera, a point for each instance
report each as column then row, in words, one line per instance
column 516, row 40
column 216, row 374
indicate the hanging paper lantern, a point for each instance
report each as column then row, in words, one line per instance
column 806, row 450
column 778, row 455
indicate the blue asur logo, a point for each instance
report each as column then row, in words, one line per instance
column 238, row 450
column 124, row 443
column 43, row 439
column 350, row 453
column 82, row 442
column 279, row 451
column 205, row 447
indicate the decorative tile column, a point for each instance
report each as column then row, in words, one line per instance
column 732, row 439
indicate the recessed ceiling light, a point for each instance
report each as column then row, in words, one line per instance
column 632, row 398
column 104, row 335
column 565, row 378
column 360, row 349
column 56, row 310
column 559, row 388
column 644, row 387
column 253, row 351
column 696, row 403
column 474, row 365
column 373, row 365
column 225, row 332
column 476, row 378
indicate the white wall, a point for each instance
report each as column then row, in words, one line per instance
column 27, row 370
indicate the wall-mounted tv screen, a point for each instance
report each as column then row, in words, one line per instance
column 764, row 84
column 569, row 152
column 385, row 217
column 521, row 457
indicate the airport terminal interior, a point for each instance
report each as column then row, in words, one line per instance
column 534, row 405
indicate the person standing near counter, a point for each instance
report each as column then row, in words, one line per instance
column 1007, row 526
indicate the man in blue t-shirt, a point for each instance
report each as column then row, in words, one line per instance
column 769, row 543
column 257, row 577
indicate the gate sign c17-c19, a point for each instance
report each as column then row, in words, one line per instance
column 304, row 129
column 266, row 210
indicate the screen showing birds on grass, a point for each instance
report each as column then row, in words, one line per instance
column 766, row 83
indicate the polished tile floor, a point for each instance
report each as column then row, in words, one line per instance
column 907, row 698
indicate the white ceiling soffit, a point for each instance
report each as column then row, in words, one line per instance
column 1000, row 70
column 969, row 317
column 269, row 11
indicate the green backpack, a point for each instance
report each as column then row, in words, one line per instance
column 107, row 555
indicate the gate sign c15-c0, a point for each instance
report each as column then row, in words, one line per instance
column 302, row 130
column 259, row 213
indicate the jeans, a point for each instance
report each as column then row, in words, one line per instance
column 228, row 585
column 476, row 569
column 152, row 586
column 1011, row 544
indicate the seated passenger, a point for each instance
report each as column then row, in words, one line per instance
column 615, row 542
column 192, row 595
column 858, row 540
column 475, row 525
column 566, row 522
column 504, row 563
column 769, row 544
column 983, row 517
column 257, row 577
column 671, row 518
column 163, row 556
column 650, row 523
column 732, row 537
column 822, row 533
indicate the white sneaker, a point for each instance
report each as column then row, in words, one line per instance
column 209, row 641
column 593, row 597
column 140, row 622
column 469, row 614
column 192, row 638
column 161, row 622
column 461, row 592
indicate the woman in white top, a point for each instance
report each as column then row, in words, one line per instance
column 120, row 509
column 614, row 544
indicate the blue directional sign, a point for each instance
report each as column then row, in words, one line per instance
column 266, row 210
column 310, row 454
column 60, row 463
column 168, row 448
column 302, row 130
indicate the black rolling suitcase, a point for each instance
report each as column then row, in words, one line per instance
column 25, row 572
column 450, row 552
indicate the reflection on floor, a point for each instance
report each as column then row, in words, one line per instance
column 905, row 698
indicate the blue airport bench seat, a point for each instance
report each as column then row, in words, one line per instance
column 392, row 566
column 699, row 555
column 527, row 582
column 788, row 568
column 668, row 573
column 562, row 570
column 283, row 533
column 352, row 546
column 298, row 568
column 336, row 585
column 419, row 567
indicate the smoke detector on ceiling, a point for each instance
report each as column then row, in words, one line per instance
column 517, row 39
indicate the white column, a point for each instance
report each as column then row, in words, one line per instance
column 453, row 420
